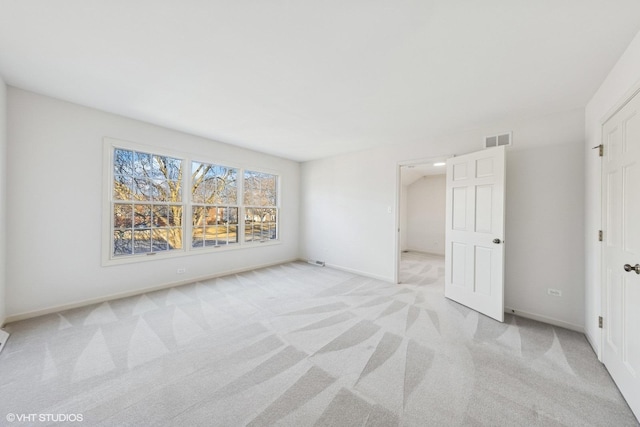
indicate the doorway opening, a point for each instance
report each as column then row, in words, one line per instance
column 474, row 229
column 421, row 207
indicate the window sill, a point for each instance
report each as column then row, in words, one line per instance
column 108, row 262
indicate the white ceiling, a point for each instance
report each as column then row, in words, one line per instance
column 310, row 79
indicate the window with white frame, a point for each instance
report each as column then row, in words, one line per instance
column 156, row 200
column 260, row 203
column 214, row 198
column 146, row 203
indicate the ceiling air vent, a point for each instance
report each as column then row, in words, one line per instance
column 497, row 140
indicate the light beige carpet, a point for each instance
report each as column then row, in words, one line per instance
column 300, row 345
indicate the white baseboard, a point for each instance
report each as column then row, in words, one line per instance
column 360, row 273
column 545, row 319
column 63, row 307
column 420, row 251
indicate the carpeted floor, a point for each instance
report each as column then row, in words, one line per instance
column 300, row 345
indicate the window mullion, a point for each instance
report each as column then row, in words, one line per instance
column 187, row 203
column 241, row 206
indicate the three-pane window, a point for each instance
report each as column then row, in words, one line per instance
column 151, row 211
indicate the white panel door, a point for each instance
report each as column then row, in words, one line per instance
column 474, row 253
column 621, row 252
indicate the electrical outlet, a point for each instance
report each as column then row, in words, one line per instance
column 554, row 292
column 181, row 270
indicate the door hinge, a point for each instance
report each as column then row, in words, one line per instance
column 600, row 149
column 600, row 236
column 600, row 322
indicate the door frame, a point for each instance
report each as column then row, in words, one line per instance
column 399, row 166
column 624, row 100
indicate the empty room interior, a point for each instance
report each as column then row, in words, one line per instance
column 320, row 214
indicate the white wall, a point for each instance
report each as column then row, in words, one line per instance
column 345, row 220
column 3, row 196
column 623, row 78
column 426, row 214
column 55, row 153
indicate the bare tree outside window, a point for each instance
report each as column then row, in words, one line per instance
column 150, row 209
column 214, row 210
column 261, row 212
column 147, row 203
